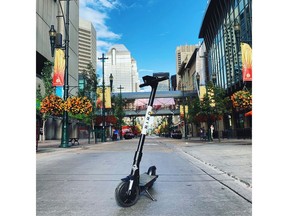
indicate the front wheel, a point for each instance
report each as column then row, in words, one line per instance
column 125, row 198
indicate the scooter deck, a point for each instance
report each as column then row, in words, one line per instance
column 145, row 179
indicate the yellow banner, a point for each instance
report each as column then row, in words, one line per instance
column 202, row 92
column 59, row 68
column 211, row 98
column 182, row 110
column 107, row 95
column 246, row 62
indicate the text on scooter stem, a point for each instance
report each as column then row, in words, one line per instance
column 146, row 120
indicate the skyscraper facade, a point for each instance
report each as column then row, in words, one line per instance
column 123, row 67
column 183, row 53
column 87, row 45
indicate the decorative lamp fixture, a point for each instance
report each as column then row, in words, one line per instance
column 214, row 78
column 198, row 80
column 52, row 34
column 111, row 81
column 237, row 26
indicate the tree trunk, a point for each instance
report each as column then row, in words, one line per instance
column 42, row 137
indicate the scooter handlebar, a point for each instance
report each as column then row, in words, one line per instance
column 151, row 80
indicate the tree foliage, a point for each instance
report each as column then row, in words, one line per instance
column 47, row 78
column 212, row 107
column 90, row 80
column 47, row 82
column 118, row 110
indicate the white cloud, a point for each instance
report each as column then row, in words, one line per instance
column 109, row 4
column 97, row 12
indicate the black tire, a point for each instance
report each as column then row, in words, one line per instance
column 124, row 199
column 151, row 170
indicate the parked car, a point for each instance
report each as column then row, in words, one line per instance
column 128, row 135
column 176, row 134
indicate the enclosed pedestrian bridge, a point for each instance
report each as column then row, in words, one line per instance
column 165, row 102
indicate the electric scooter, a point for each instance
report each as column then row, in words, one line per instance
column 128, row 190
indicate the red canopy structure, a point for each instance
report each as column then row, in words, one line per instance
column 158, row 103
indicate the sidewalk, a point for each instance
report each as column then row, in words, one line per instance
column 54, row 145
column 230, row 156
column 223, row 141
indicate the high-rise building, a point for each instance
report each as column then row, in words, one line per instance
column 173, row 82
column 123, row 68
column 183, row 53
column 87, row 45
column 51, row 13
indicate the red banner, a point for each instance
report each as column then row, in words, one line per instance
column 59, row 67
column 246, row 62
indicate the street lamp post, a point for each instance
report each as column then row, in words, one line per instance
column 58, row 37
column 214, row 78
column 103, row 93
column 120, row 106
column 184, row 112
column 198, row 80
column 111, row 81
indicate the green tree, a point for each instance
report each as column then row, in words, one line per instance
column 47, row 78
column 214, row 105
column 90, row 83
column 119, row 112
column 46, row 74
column 193, row 110
column 89, row 88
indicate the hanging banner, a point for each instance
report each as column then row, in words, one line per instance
column 59, row 68
column 182, row 111
column 59, row 91
column 107, row 95
column 211, row 97
column 202, row 92
column 246, row 62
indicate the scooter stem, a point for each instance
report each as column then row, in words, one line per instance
column 138, row 153
column 153, row 82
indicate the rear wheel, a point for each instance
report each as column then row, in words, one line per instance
column 151, row 171
column 125, row 198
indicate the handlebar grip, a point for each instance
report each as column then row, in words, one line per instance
column 142, row 85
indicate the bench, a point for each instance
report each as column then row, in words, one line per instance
column 74, row 140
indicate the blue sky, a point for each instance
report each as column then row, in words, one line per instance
column 150, row 29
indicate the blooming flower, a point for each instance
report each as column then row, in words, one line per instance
column 55, row 105
column 52, row 104
column 78, row 105
column 242, row 100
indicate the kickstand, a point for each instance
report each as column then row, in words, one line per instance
column 149, row 195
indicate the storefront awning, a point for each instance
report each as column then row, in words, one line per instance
column 158, row 103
